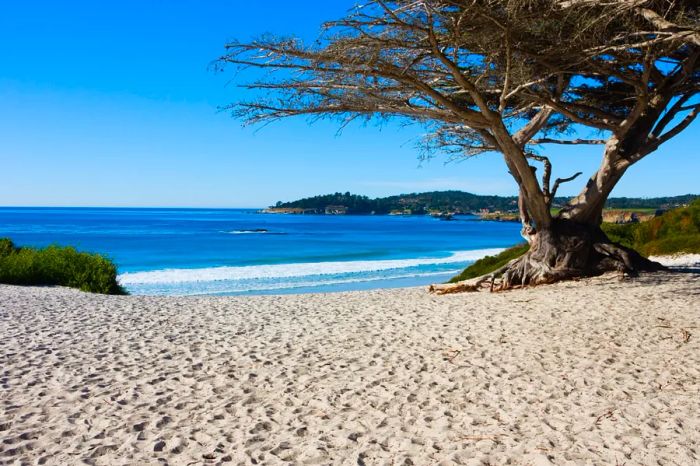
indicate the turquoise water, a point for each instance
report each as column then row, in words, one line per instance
column 237, row 251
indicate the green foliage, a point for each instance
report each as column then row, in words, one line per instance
column 445, row 201
column 56, row 265
column 490, row 263
column 637, row 210
column 354, row 203
column 676, row 231
column 649, row 204
column 457, row 202
column 686, row 244
column 623, row 234
column 6, row 247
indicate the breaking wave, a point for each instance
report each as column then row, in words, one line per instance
column 210, row 280
column 255, row 231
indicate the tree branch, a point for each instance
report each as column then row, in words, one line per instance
column 532, row 127
column 561, row 108
column 670, row 114
column 656, row 142
column 547, row 172
column 559, row 181
column 666, row 26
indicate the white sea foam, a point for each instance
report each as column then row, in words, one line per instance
column 209, row 274
column 225, row 287
column 247, row 232
column 254, row 232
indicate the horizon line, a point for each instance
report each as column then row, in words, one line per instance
column 307, row 197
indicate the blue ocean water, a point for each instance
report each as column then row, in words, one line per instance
column 236, row 251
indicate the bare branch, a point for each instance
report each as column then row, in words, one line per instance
column 656, row 142
column 666, row 26
column 559, row 181
column 565, row 110
column 532, row 127
column 507, row 72
column 547, row 173
column 670, row 114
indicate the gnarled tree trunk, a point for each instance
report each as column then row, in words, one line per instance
column 573, row 245
column 568, row 249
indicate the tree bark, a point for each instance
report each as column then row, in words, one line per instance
column 521, row 170
column 567, row 250
column 587, row 207
column 573, row 245
column 563, row 251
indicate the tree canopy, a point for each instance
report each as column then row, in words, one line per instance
column 507, row 76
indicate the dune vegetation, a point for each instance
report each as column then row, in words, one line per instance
column 490, row 263
column 675, row 232
column 54, row 265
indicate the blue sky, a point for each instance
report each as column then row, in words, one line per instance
column 113, row 104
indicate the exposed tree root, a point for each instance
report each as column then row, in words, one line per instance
column 474, row 284
column 567, row 251
column 483, row 282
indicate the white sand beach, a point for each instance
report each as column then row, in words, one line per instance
column 595, row 372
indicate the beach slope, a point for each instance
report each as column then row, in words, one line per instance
column 597, row 371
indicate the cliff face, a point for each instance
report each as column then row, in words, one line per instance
column 623, row 216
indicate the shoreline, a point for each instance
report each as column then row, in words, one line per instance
column 595, row 371
column 175, row 282
column 324, row 276
column 443, row 216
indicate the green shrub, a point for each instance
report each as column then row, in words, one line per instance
column 6, row 247
column 490, row 263
column 674, row 245
column 56, row 265
column 676, row 231
column 623, row 234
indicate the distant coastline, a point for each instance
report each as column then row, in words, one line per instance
column 447, row 204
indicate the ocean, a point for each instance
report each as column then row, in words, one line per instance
column 241, row 251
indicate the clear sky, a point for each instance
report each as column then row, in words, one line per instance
column 113, row 104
